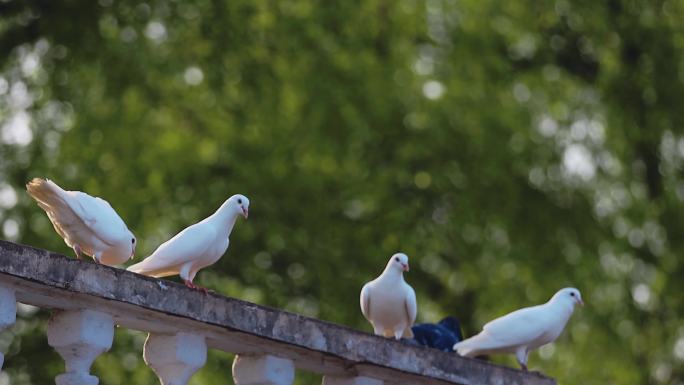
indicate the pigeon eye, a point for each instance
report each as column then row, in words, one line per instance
column 572, row 294
column 240, row 201
column 396, row 259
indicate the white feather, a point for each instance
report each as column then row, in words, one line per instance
column 388, row 302
column 197, row 246
column 523, row 330
column 84, row 221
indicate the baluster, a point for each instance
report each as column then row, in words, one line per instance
column 350, row 380
column 262, row 370
column 8, row 312
column 174, row 358
column 79, row 336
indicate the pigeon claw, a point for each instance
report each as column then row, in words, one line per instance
column 204, row 290
column 77, row 250
column 191, row 285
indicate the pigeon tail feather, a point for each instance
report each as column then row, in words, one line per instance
column 51, row 198
column 46, row 192
column 475, row 346
column 144, row 268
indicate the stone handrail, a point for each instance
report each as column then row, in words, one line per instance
column 89, row 299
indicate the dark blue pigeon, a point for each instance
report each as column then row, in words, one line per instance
column 442, row 335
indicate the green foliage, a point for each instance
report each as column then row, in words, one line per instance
column 510, row 148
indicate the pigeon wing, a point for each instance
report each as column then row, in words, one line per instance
column 57, row 204
column 365, row 301
column 98, row 215
column 188, row 245
column 411, row 307
column 520, row 327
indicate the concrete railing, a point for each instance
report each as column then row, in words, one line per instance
column 89, row 299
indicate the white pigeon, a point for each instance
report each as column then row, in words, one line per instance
column 388, row 302
column 196, row 247
column 88, row 224
column 523, row 330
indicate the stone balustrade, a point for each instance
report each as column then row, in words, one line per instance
column 90, row 299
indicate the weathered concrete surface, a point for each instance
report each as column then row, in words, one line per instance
column 51, row 280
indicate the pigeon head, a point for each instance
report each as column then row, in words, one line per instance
column 452, row 324
column 240, row 204
column 399, row 261
column 568, row 295
column 134, row 242
column 123, row 249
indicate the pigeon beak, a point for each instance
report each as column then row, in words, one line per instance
column 579, row 301
column 405, row 266
column 245, row 212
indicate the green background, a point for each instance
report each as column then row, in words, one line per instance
column 510, row 148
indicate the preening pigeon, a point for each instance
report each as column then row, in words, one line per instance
column 388, row 302
column 196, row 247
column 442, row 335
column 88, row 224
column 523, row 330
